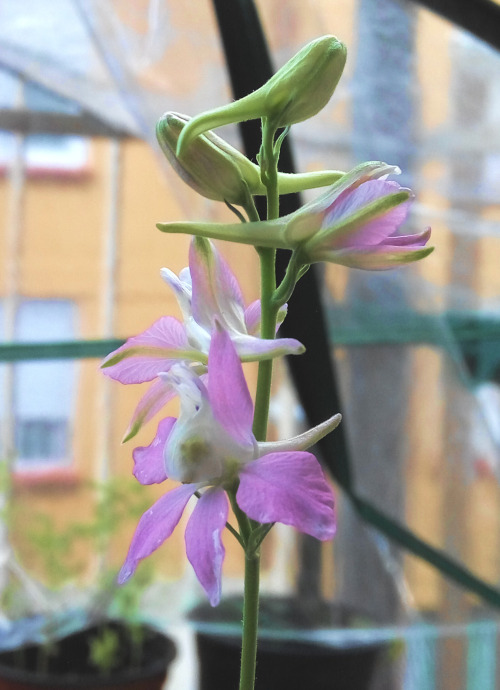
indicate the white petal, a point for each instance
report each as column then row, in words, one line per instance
column 302, row 441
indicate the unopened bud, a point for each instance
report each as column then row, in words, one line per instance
column 305, row 84
column 299, row 90
column 218, row 171
column 212, row 167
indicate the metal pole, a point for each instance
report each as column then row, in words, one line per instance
column 105, row 441
column 14, row 227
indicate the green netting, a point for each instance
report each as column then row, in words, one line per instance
column 474, row 332
column 78, row 349
column 96, row 57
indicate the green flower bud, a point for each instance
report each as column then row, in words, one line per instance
column 212, row 167
column 216, row 170
column 299, row 90
column 305, row 84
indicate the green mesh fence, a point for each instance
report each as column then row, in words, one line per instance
column 478, row 339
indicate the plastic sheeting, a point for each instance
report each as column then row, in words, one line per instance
column 417, row 351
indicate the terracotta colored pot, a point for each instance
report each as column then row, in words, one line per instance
column 69, row 668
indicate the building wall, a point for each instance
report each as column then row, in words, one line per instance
column 64, row 231
column 64, row 234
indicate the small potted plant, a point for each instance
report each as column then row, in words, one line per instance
column 89, row 637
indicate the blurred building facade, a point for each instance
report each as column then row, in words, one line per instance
column 81, row 259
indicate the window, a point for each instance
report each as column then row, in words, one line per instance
column 43, row 392
column 53, row 152
column 475, row 101
column 43, row 153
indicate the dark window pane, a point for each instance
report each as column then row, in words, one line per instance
column 41, row 439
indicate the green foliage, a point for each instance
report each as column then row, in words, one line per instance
column 126, row 600
column 57, row 551
column 54, row 550
column 117, row 503
column 104, row 651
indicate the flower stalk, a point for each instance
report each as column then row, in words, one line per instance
column 268, row 160
column 217, row 448
column 250, row 622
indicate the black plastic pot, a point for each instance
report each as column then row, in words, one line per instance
column 284, row 664
column 66, row 664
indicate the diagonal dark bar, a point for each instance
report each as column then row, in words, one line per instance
column 479, row 17
column 249, row 65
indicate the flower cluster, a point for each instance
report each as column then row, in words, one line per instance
column 207, row 292
column 211, row 446
column 216, row 449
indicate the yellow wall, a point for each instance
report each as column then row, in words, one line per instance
column 62, row 250
column 62, row 255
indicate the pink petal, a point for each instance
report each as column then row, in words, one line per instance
column 227, row 389
column 133, row 367
column 155, row 526
column 156, row 397
column 409, row 241
column 204, row 547
column 149, row 465
column 216, row 292
column 376, row 230
column 380, row 258
column 253, row 317
column 288, row 487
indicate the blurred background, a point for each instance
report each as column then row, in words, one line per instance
column 416, row 350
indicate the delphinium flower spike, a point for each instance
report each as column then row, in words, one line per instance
column 217, row 447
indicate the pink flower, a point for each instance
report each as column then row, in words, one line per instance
column 207, row 291
column 356, row 223
column 211, row 446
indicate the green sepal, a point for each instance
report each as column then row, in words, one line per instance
column 258, row 234
column 291, row 183
column 158, row 352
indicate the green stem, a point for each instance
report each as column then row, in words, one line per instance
column 250, row 622
column 241, row 517
column 268, row 159
column 283, row 293
column 259, row 534
column 251, row 210
column 235, row 534
column 267, row 330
